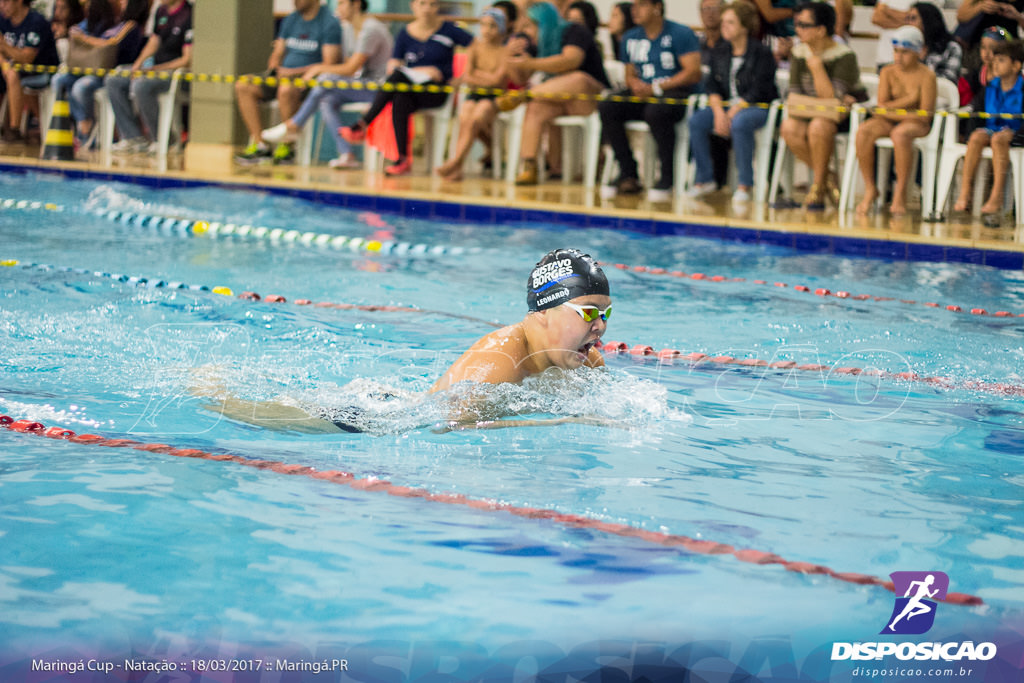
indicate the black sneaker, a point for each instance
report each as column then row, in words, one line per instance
column 254, row 154
column 628, row 186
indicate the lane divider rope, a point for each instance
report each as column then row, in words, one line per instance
column 374, row 484
column 817, row 291
column 202, row 228
column 189, row 227
column 669, row 356
column 640, row 351
column 157, row 283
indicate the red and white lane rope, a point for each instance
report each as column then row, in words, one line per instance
column 817, row 291
column 647, row 352
column 691, row 545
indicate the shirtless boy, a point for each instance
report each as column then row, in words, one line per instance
column 905, row 84
column 485, row 68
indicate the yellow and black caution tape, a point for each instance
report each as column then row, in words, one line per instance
column 305, row 83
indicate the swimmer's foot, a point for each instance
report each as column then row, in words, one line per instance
column 960, row 206
column 897, row 208
column 867, row 204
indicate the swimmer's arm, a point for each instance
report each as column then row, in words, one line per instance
column 459, row 426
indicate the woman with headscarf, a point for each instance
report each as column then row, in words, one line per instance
column 572, row 61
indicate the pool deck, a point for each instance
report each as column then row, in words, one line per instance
column 481, row 199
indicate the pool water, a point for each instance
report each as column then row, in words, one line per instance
column 112, row 549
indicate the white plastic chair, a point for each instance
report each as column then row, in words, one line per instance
column 947, row 98
column 170, row 119
column 954, row 151
column 783, row 158
column 586, row 128
column 649, row 157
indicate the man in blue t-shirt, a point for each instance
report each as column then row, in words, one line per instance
column 662, row 60
column 25, row 38
column 309, row 36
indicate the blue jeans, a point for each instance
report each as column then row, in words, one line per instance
column 744, row 126
column 123, row 91
column 80, row 92
column 330, row 101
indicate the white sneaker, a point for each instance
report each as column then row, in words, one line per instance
column 740, row 196
column 152, row 148
column 701, row 189
column 130, row 146
column 659, row 195
column 345, row 161
column 609, row 192
column 279, row 134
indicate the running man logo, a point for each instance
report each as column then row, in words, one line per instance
column 914, row 612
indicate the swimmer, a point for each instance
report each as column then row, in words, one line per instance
column 569, row 304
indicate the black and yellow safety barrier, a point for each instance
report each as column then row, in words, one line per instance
column 306, row 83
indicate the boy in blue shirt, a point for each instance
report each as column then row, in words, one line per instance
column 662, row 60
column 1004, row 95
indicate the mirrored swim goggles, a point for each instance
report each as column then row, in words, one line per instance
column 590, row 313
column 905, row 45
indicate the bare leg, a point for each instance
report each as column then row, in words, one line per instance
column 289, row 98
column 1000, row 167
column 972, row 158
column 821, row 137
column 903, row 136
column 794, row 132
column 867, row 135
column 248, row 97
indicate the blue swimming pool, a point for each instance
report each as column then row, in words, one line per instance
column 109, row 325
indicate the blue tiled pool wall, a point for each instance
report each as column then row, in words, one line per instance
column 510, row 215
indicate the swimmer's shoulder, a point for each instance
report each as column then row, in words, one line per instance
column 495, row 358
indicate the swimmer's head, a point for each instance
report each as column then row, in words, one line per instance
column 562, row 275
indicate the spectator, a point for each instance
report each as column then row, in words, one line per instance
column 619, row 21
column 66, row 13
column 568, row 54
column 168, row 48
column 905, row 84
column 137, row 12
column 1004, row 95
column 422, row 56
column 101, row 27
column 26, row 39
column 742, row 77
column 365, row 62
column 582, row 12
column 975, row 16
column 844, row 15
column 888, row 16
column 822, row 68
column 485, row 69
column 711, row 20
column 974, row 81
column 776, row 17
column 662, row 60
column 308, row 38
column 942, row 54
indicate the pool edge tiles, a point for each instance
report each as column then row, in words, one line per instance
column 804, row 237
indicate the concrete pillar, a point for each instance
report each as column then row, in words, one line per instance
column 229, row 37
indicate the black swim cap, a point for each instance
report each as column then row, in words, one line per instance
column 563, row 274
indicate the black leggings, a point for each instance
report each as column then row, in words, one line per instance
column 403, row 105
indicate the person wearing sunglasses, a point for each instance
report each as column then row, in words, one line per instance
column 569, row 306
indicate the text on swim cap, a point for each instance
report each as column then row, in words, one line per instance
column 554, row 271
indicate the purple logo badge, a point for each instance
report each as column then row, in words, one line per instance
column 914, row 612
